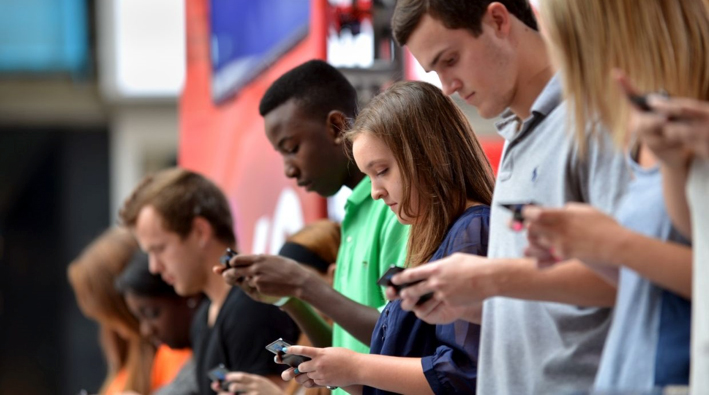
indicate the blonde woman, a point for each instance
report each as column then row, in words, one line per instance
column 661, row 45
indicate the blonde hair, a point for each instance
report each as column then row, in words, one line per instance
column 92, row 276
column 659, row 44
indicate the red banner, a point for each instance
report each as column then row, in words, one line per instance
column 227, row 143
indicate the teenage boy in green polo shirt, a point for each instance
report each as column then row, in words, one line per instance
column 305, row 112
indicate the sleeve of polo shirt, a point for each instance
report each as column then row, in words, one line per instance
column 453, row 368
column 603, row 173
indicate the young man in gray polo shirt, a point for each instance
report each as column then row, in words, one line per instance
column 538, row 338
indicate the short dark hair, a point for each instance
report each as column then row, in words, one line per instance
column 179, row 196
column 454, row 14
column 137, row 279
column 317, row 86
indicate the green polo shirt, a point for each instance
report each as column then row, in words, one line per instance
column 372, row 240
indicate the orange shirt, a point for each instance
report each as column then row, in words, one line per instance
column 166, row 364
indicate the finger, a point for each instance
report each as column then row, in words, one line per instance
column 680, row 132
column 391, row 293
column 218, row 269
column 677, row 107
column 304, row 380
column 239, row 377
column 288, row 374
column 424, row 309
column 245, row 260
column 623, row 82
column 415, row 291
column 237, row 387
column 311, row 352
column 414, row 274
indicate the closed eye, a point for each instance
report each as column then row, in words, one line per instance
column 383, row 172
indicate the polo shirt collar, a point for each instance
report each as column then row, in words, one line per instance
column 360, row 193
column 549, row 99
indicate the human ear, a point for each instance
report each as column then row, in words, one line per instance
column 498, row 17
column 337, row 124
column 202, row 230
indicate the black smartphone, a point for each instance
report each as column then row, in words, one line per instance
column 516, row 209
column 291, row 360
column 228, row 254
column 640, row 101
column 385, row 281
column 219, row 374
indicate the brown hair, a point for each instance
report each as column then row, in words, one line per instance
column 179, row 196
column 454, row 14
column 436, row 150
column 659, row 44
column 92, row 276
column 321, row 237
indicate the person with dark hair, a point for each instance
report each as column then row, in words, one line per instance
column 165, row 319
column 183, row 221
column 314, row 246
column 306, row 112
column 543, row 330
column 391, row 143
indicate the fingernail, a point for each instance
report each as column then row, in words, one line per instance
column 296, row 371
column 284, row 349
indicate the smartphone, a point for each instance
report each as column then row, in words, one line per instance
column 385, row 281
column 228, row 254
column 219, row 374
column 640, row 101
column 291, row 360
column 516, row 209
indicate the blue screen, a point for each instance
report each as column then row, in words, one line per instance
column 44, row 36
column 249, row 35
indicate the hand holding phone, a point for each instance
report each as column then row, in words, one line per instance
column 218, row 374
column 228, row 254
column 517, row 217
column 385, row 281
column 291, row 360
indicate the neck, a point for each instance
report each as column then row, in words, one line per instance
column 535, row 71
column 355, row 177
column 215, row 287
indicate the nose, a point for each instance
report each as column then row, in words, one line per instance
column 290, row 169
column 378, row 191
column 450, row 85
column 154, row 265
column 146, row 330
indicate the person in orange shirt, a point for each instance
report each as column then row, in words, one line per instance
column 165, row 320
column 92, row 275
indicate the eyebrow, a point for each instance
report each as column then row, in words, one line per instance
column 373, row 163
column 435, row 60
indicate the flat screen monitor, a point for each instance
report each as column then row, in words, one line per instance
column 247, row 36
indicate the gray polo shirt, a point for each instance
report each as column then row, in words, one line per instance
column 538, row 347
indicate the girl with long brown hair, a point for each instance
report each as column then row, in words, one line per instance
column 427, row 166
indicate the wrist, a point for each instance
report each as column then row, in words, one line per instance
column 305, row 286
column 614, row 252
column 359, row 361
column 494, row 280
